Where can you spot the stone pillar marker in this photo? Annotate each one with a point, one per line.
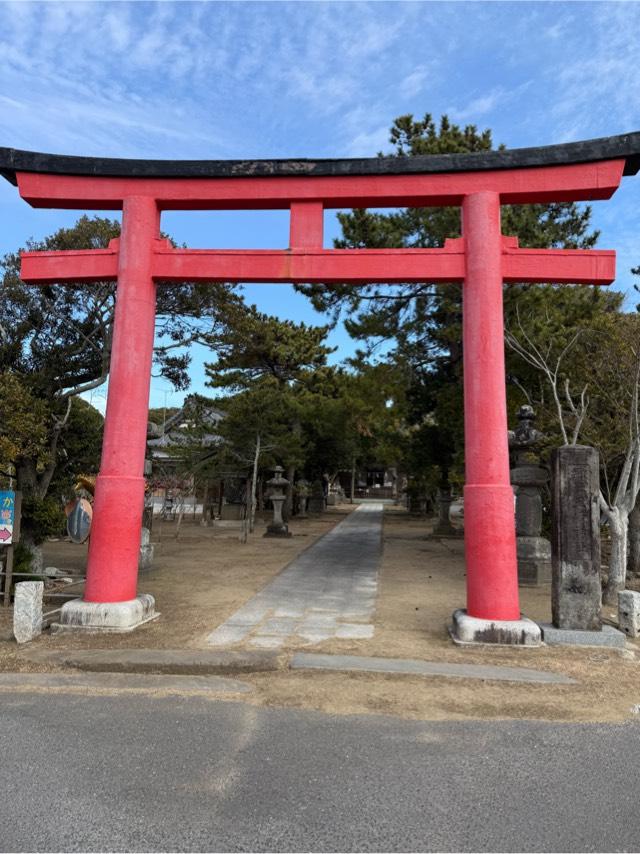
(27, 610)
(443, 527)
(533, 550)
(576, 590)
(146, 549)
(303, 492)
(277, 528)
(316, 503)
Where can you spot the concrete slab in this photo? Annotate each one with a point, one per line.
(354, 630)
(279, 626)
(319, 620)
(171, 661)
(127, 682)
(315, 635)
(608, 636)
(413, 667)
(266, 642)
(230, 634)
(319, 594)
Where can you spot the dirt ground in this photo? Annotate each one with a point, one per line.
(201, 579)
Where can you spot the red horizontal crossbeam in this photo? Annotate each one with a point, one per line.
(562, 266)
(574, 182)
(91, 265)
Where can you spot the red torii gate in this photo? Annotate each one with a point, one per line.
(482, 259)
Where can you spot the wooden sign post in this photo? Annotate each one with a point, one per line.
(10, 510)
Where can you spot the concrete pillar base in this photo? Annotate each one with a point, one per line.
(472, 630)
(534, 561)
(79, 615)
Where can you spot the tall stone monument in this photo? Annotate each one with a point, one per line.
(529, 478)
(576, 591)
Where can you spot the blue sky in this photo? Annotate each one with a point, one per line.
(271, 79)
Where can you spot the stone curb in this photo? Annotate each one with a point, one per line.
(412, 667)
(172, 662)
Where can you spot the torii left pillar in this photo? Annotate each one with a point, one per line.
(110, 599)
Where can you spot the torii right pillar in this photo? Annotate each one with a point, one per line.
(493, 609)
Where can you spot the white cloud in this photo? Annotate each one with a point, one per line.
(596, 90)
(414, 82)
(368, 143)
(270, 79)
(222, 79)
(479, 106)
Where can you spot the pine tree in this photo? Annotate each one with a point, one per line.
(421, 324)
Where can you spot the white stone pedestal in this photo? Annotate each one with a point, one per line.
(466, 629)
(629, 612)
(79, 615)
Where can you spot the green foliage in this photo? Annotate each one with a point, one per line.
(80, 447)
(42, 518)
(56, 334)
(593, 360)
(264, 410)
(22, 560)
(59, 336)
(271, 365)
(309, 416)
(55, 343)
(572, 327)
(254, 345)
(23, 422)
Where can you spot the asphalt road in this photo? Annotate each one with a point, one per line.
(141, 773)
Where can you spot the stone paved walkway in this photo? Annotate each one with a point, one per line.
(329, 591)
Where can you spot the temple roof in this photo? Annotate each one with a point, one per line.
(625, 146)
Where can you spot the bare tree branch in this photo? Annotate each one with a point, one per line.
(82, 387)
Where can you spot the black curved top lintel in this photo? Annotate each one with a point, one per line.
(626, 146)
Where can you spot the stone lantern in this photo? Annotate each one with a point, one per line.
(277, 528)
(529, 478)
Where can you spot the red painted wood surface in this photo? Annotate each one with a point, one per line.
(577, 182)
(490, 539)
(306, 225)
(483, 260)
(112, 566)
(561, 266)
